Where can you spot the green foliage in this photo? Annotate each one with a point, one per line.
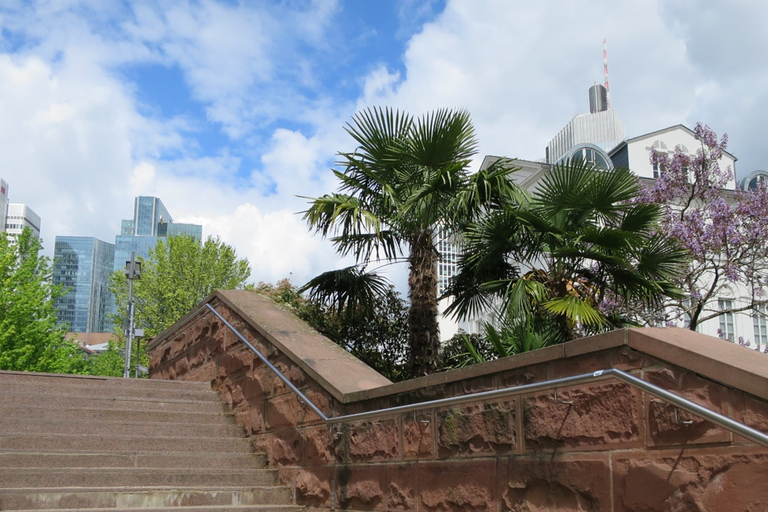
(176, 277)
(567, 259)
(29, 337)
(376, 333)
(108, 363)
(513, 337)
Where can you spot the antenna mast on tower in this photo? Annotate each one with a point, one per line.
(605, 71)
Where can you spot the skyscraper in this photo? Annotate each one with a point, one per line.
(3, 202)
(14, 217)
(151, 221)
(20, 216)
(602, 128)
(83, 266)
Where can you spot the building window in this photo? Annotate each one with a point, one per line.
(760, 324)
(659, 170)
(727, 329)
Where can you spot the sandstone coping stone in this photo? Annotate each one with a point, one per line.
(339, 372)
(714, 358)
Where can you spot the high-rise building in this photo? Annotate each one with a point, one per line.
(601, 129)
(14, 217)
(20, 216)
(151, 221)
(83, 265)
(3, 202)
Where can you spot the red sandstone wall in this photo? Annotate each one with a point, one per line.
(601, 447)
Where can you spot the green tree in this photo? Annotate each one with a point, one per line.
(406, 180)
(30, 340)
(108, 363)
(566, 262)
(179, 273)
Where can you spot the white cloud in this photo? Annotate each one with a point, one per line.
(276, 243)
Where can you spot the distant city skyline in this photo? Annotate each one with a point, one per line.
(83, 265)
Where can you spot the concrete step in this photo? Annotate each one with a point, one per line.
(220, 508)
(143, 477)
(208, 508)
(71, 442)
(11, 425)
(125, 388)
(209, 461)
(57, 400)
(86, 414)
(104, 383)
(123, 498)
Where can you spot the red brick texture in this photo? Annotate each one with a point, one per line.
(603, 446)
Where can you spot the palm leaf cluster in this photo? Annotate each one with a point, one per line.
(406, 178)
(573, 258)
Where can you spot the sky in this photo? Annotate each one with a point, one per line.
(233, 112)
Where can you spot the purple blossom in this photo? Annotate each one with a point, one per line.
(725, 231)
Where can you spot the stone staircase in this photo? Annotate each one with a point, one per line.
(96, 444)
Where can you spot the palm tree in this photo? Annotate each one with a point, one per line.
(406, 179)
(573, 258)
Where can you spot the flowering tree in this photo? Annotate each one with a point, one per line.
(725, 232)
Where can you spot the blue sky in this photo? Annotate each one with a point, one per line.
(228, 111)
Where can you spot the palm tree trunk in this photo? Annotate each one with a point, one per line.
(424, 335)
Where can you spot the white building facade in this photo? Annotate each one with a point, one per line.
(20, 216)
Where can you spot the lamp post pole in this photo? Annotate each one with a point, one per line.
(132, 271)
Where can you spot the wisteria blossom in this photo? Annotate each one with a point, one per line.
(725, 231)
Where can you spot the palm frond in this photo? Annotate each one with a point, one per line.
(443, 137)
(575, 310)
(347, 289)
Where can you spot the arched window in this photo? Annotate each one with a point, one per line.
(591, 154)
(754, 180)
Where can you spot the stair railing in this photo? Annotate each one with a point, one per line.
(676, 400)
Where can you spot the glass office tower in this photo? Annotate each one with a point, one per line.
(83, 265)
(150, 222)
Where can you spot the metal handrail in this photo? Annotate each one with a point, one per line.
(667, 396)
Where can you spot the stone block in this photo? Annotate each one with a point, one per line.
(284, 447)
(370, 441)
(628, 359)
(401, 480)
(318, 450)
(482, 429)
(204, 373)
(321, 398)
(251, 417)
(457, 485)
(362, 487)
(750, 411)
(694, 480)
(291, 371)
(666, 430)
(313, 486)
(418, 436)
(601, 416)
(577, 365)
(566, 483)
(286, 410)
(670, 426)
(519, 377)
(254, 386)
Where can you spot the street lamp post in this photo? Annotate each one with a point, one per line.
(132, 271)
